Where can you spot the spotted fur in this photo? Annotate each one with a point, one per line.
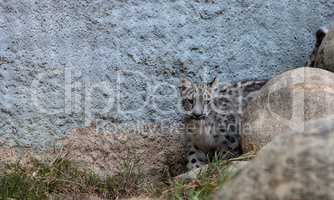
(212, 118)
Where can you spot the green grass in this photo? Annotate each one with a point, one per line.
(203, 187)
(207, 183)
(61, 177)
(41, 179)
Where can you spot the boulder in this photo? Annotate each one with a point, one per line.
(285, 104)
(291, 167)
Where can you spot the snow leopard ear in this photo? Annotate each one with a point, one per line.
(214, 83)
(320, 35)
(185, 85)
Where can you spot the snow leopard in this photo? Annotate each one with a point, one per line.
(212, 117)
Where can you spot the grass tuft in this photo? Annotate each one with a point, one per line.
(207, 183)
(61, 177)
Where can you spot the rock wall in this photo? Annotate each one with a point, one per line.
(66, 63)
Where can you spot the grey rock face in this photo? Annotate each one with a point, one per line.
(121, 60)
(297, 166)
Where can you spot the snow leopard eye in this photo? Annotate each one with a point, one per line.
(188, 103)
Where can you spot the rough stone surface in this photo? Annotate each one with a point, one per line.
(297, 166)
(285, 104)
(142, 44)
